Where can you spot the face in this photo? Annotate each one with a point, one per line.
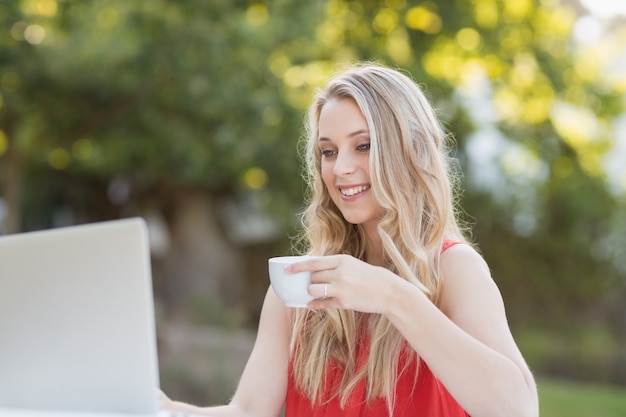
(344, 144)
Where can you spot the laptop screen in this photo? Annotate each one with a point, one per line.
(77, 319)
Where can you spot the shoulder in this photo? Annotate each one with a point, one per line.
(471, 299)
(458, 256)
(467, 283)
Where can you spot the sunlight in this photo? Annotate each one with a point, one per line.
(82, 149)
(385, 21)
(424, 19)
(588, 65)
(279, 62)
(330, 34)
(256, 14)
(17, 30)
(557, 21)
(536, 109)
(445, 60)
(316, 72)
(486, 13)
(524, 71)
(399, 46)
(34, 34)
(255, 178)
(587, 29)
(494, 65)
(468, 39)
(512, 39)
(519, 161)
(302, 80)
(59, 159)
(518, 10)
(579, 128)
(396, 4)
(108, 17)
(295, 76)
(615, 157)
(605, 8)
(47, 8)
(4, 143)
(576, 125)
(507, 103)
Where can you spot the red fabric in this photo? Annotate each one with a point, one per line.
(447, 244)
(425, 398)
(421, 397)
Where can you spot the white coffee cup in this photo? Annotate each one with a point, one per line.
(292, 289)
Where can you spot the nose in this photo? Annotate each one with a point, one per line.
(345, 164)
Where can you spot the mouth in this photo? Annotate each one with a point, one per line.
(352, 191)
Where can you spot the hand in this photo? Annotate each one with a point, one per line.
(344, 282)
(163, 401)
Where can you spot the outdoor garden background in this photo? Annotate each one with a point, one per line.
(189, 114)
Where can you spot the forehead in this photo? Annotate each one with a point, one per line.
(340, 117)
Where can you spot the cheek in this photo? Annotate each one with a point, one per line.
(327, 175)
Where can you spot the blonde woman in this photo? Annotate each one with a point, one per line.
(407, 320)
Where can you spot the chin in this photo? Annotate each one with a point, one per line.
(356, 219)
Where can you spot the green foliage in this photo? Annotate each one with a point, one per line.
(163, 94)
(205, 311)
(561, 398)
(546, 221)
(580, 351)
(153, 91)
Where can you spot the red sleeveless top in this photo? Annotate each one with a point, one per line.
(423, 396)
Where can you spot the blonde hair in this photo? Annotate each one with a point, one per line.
(412, 180)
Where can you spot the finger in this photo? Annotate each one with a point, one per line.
(320, 291)
(317, 263)
(162, 399)
(322, 303)
(320, 277)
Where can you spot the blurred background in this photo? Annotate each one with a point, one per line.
(189, 114)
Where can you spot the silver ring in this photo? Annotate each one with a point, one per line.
(326, 290)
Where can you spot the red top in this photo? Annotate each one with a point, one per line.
(424, 397)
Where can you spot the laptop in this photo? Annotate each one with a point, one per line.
(77, 330)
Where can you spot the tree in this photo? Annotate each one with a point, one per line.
(110, 105)
(160, 93)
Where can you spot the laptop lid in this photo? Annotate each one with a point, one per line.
(77, 329)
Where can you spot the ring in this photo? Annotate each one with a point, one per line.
(326, 290)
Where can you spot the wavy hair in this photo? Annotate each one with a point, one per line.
(413, 181)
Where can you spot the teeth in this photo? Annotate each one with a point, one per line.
(354, 190)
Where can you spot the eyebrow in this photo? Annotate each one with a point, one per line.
(351, 135)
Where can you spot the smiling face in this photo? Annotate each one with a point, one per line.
(344, 144)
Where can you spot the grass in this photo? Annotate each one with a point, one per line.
(572, 399)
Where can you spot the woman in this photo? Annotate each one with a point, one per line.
(407, 319)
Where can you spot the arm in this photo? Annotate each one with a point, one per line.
(263, 385)
(467, 344)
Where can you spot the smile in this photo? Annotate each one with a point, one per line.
(349, 192)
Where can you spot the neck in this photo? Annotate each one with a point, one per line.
(373, 246)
